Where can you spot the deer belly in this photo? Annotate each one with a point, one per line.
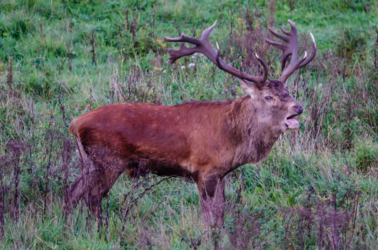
(161, 167)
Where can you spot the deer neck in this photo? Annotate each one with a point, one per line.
(253, 139)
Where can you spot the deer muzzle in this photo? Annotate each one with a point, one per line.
(291, 122)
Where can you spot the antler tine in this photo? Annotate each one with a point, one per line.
(259, 81)
(313, 53)
(290, 48)
(206, 33)
(286, 31)
(203, 46)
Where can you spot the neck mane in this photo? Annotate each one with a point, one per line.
(253, 140)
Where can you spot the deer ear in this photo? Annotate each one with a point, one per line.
(250, 88)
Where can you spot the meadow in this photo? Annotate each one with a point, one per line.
(318, 189)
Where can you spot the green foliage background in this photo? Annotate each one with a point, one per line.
(333, 158)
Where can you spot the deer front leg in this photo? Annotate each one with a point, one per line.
(212, 198)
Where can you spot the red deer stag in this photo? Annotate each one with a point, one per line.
(202, 141)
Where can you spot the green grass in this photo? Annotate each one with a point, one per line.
(332, 161)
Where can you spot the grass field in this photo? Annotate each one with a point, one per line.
(318, 189)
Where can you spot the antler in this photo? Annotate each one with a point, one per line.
(203, 46)
(290, 48)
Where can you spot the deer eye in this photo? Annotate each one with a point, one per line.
(269, 98)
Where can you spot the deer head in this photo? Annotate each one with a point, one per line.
(270, 99)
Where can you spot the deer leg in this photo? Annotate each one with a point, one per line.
(82, 184)
(74, 194)
(99, 184)
(212, 198)
(77, 189)
(94, 182)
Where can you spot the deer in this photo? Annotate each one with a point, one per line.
(200, 141)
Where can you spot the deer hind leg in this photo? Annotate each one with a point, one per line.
(99, 182)
(212, 198)
(77, 189)
(94, 182)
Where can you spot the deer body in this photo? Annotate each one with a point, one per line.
(201, 135)
(201, 141)
(204, 140)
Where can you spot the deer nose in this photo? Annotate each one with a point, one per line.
(298, 109)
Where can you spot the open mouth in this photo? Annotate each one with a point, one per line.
(291, 122)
